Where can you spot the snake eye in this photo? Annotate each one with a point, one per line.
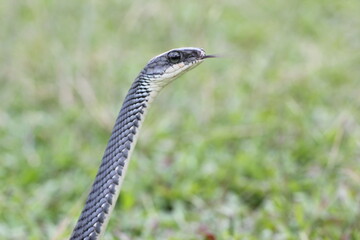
(174, 56)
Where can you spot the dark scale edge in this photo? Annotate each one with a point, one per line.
(117, 134)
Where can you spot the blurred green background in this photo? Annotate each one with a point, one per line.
(261, 144)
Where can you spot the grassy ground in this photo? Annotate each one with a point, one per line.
(262, 144)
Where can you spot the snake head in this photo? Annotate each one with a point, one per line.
(167, 66)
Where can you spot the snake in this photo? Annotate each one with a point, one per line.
(159, 72)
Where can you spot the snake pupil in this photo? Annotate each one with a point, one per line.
(174, 57)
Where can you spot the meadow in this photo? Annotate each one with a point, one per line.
(263, 143)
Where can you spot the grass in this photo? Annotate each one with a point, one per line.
(261, 144)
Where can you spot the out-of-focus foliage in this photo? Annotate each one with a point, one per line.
(261, 144)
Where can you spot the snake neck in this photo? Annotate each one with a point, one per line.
(106, 187)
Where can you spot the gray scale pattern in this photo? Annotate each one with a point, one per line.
(116, 154)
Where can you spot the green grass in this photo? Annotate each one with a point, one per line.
(261, 144)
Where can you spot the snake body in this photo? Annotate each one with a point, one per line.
(105, 190)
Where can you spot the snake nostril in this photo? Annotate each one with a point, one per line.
(196, 55)
(201, 53)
